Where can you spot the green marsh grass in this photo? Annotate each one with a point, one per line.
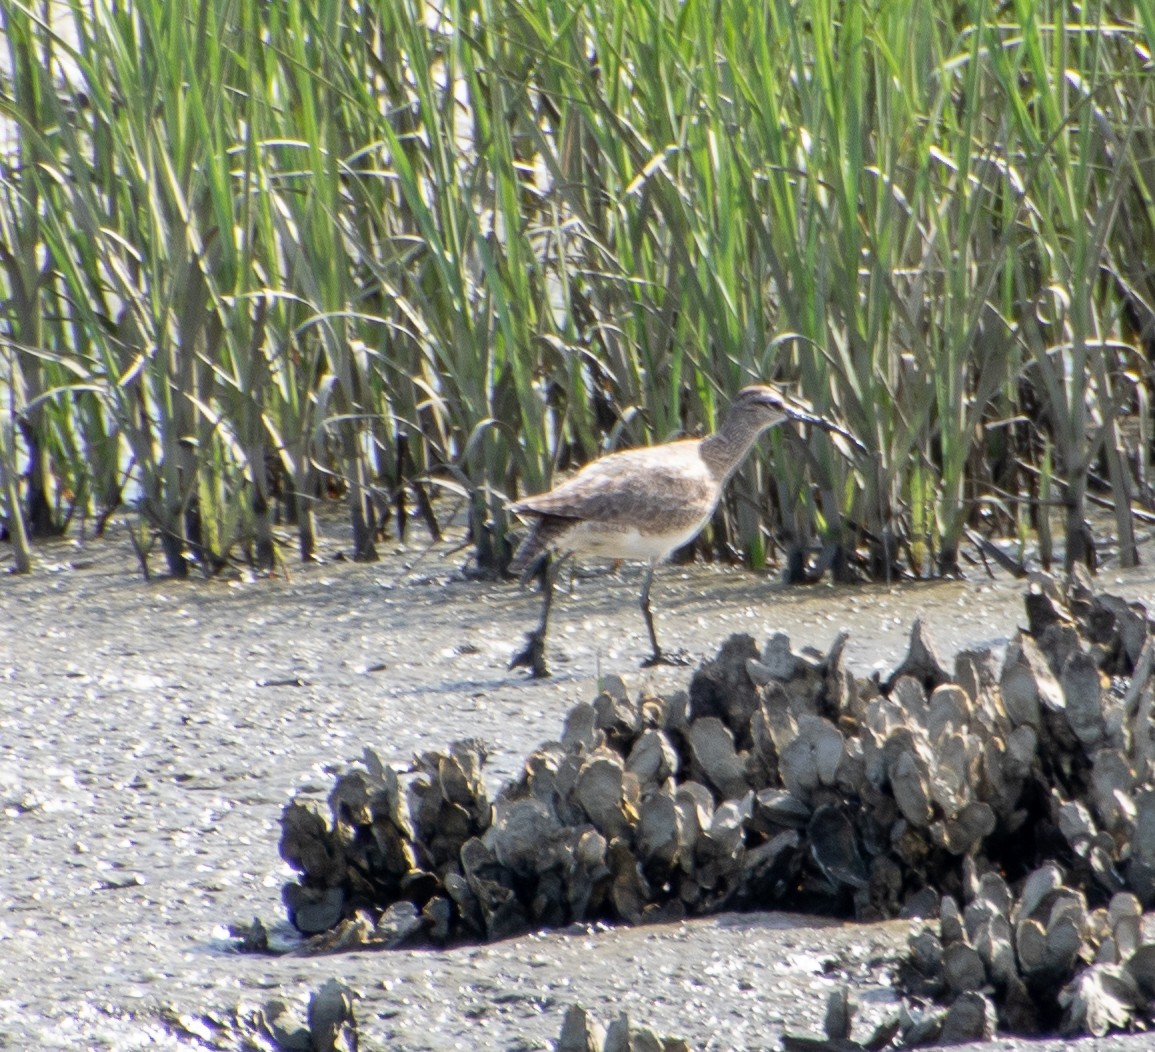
(259, 256)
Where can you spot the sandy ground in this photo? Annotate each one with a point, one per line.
(150, 733)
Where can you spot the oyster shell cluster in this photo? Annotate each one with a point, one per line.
(782, 780)
(1034, 961)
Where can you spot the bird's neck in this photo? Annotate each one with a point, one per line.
(727, 447)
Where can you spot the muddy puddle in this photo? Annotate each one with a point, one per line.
(151, 732)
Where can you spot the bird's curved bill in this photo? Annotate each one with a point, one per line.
(802, 414)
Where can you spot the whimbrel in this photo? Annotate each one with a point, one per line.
(642, 504)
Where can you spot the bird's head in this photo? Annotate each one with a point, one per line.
(770, 406)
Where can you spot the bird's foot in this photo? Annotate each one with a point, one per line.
(532, 655)
(679, 658)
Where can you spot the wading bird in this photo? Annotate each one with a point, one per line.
(642, 504)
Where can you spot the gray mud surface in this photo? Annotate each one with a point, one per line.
(151, 732)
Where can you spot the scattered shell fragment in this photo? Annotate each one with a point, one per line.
(581, 1033)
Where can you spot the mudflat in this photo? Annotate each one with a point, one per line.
(152, 731)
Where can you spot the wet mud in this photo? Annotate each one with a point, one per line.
(151, 733)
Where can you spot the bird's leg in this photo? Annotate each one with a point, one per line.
(659, 656)
(532, 655)
(648, 614)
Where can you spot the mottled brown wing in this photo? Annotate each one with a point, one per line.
(632, 488)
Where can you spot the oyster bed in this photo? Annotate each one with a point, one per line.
(1013, 803)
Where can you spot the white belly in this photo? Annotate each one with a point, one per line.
(612, 542)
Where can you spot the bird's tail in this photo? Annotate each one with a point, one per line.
(532, 549)
(545, 535)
